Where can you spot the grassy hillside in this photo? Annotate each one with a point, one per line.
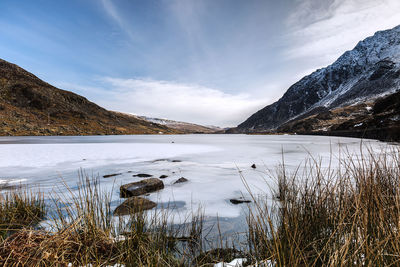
(30, 106)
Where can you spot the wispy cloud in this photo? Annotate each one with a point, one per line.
(113, 13)
(185, 102)
(323, 31)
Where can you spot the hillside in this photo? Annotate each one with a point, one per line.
(368, 72)
(30, 106)
(185, 127)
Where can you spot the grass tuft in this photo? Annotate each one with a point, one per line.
(320, 217)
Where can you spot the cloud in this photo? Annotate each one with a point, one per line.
(184, 102)
(113, 13)
(324, 31)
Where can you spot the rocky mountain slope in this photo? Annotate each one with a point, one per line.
(369, 71)
(185, 127)
(376, 119)
(30, 106)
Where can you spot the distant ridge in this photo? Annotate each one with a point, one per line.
(185, 127)
(30, 106)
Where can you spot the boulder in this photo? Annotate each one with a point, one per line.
(181, 180)
(140, 188)
(133, 205)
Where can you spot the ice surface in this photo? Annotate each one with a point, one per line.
(213, 164)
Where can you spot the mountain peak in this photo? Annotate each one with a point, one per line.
(371, 69)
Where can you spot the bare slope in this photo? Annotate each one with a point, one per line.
(30, 106)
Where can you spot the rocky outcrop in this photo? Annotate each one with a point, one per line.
(134, 205)
(365, 73)
(140, 188)
(377, 119)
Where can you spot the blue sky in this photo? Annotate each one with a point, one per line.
(202, 61)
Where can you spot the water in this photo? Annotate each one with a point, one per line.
(211, 163)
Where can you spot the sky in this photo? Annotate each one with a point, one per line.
(212, 62)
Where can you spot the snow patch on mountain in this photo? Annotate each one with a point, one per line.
(370, 70)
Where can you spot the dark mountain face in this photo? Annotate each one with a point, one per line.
(30, 106)
(371, 69)
(374, 119)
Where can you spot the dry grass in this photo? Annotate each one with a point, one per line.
(84, 232)
(322, 217)
(20, 208)
(345, 217)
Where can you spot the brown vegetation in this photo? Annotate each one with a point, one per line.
(30, 106)
(348, 216)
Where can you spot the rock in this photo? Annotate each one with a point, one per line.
(181, 180)
(240, 200)
(111, 175)
(217, 255)
(176, 160)
(254, 166)
(141, 187)
(133, 205)
(142, 175)
(158, 160)
(163, 176)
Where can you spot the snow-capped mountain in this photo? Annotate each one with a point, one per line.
(370, 70)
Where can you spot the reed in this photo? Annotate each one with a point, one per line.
(20, 208)
(321, 216)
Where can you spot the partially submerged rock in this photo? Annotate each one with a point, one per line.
(254, 166)
(111, 175)
(181, 180)
(140, 188)
(239, 200)
(163, 176)
(133, 205)
(142, 175)
(217, 255)
(157, 160)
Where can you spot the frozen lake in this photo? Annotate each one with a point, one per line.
(211, 163)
